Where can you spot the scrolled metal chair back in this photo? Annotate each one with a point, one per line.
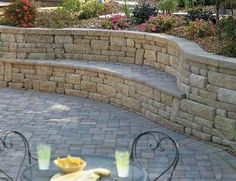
(157, 143)
(7, 143)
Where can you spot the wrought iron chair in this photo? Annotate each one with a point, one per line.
(10, 140)
(162, 149)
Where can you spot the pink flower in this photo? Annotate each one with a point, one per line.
(125, 24)
(143, 27)
(152, 19)
(116, 19)
(153, 28)
(115, 26)
(25, 8)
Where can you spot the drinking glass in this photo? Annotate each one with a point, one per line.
(122, 163)
(44, 154)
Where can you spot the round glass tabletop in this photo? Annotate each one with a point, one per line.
(136, 173)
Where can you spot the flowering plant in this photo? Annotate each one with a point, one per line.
(115, 23)
(159, 23)
(199, 28)
(119, 22)
(20, 13)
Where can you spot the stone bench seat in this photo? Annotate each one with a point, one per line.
(142, 74)
(49, 60)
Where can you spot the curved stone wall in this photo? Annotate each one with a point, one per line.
(209, 82)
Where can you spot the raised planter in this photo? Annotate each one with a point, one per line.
(209, 82)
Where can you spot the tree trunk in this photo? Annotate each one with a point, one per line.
(218, 30)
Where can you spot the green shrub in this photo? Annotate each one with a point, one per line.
(144, 12)
(71, 5)
(191, 3)
(199, 28)
(229, 49)
(195, 14)
(168, 5)
(20, 13)
(91, 9)
(107, 24)
(58, 18)
(228, 27)
(188, 4)
(126, 10)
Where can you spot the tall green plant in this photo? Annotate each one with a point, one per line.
(126, 10)
(168, 5)
(188, 4)
(91, 8)
(71, 5)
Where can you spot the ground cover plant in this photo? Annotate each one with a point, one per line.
(115, 23)
(160, 24)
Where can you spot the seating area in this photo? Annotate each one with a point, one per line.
(90, 92)
(139, 88)
(199, 97)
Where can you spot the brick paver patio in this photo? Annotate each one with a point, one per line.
(75, 125)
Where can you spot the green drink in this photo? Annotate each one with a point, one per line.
(44, 154)
(122, 163)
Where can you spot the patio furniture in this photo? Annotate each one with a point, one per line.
(15, 141)
(153, 145)
(136, 173)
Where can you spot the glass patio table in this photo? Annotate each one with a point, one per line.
(136, 173)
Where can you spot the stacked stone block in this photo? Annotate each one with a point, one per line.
(209, 82)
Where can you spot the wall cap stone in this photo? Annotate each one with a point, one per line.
(190, 50)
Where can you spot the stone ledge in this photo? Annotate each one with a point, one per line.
(195, 53)
(190, 50)
(138, 73)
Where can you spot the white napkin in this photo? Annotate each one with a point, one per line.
(88, 175)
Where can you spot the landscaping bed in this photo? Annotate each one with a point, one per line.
(199, 25)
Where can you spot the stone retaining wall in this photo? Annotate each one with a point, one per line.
(209, 82)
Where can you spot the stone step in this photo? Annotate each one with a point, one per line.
(143, 74)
